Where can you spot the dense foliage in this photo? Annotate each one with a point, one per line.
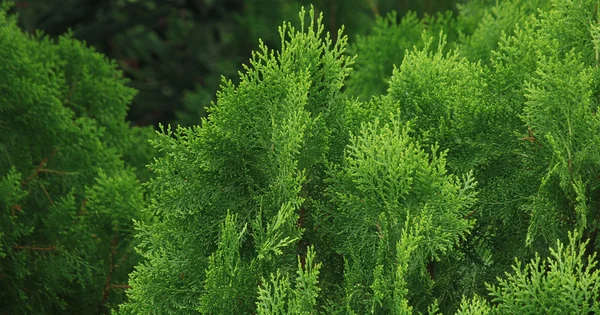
(438, 164)
(175, 51)
(473, 151)
(68, 186)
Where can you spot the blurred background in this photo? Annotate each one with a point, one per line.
(175, 51)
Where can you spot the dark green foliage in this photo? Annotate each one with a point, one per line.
(167, 48)
(67, 197)
(175, 51)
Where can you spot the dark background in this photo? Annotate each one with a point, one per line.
(175, 51)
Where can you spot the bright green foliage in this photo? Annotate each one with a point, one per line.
(277, 296)
(445, 97)
(224, 272)
(565, 283)
(459, 145)
(461, 155)
(501, 19)
(476, 306)
(549, 80)
(388, 185)
(448, 101)
(296, 198)
(475, 32)
(528, 128)
(67, 198)
(560, 109)
(265, 141)
(262, 156)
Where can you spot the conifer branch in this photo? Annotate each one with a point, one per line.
(38, 271)
(39, 167)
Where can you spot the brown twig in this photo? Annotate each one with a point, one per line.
(570, 162)
(301, 245)
(107, 286)
(470, 214)
(45, 170)
(82, 209)
(379, 230)
(373, 6)
(49, 248)
(121, 260)
(46, 193)
(531, 138)
(566, 219)
(13, 208)
(120, 286)
(39, 167)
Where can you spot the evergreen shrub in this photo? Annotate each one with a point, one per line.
(70, 170)
(470, 185)
(449, 172)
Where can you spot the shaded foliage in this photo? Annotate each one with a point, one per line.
(69, 169)
(175, 51)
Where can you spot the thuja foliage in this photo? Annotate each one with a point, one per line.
(175, 51)
(251, 166)
(469, 185)
(69, 169)
(478, 41)
(475, 30)
(386, 45)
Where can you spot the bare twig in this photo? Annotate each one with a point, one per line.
(45, 170)
(373, 6)
(113, 252)
(470, 214)
(82, 209)
(13, 208)
(35, 248)
(46, 193)
(40, 166)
